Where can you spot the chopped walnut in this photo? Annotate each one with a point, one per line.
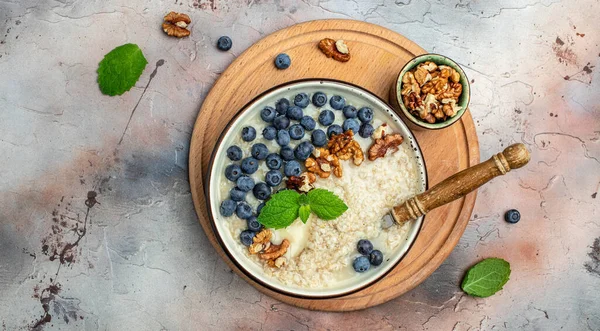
(268, 251)
(345, 147)
(175, 24)
(302, 183)
(380, 131)
(323, 164)
(382, 145)
(275, 251)
(263, 236)
(328, 47)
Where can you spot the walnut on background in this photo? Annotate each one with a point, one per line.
(382, 145)
(329, 48)
(175, 24)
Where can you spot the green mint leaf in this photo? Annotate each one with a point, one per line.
(486, 277)
(281, 210)
(120, 69)
(304, 212)
(303, 200)
(326, 205)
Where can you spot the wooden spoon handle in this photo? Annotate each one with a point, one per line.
(456, 186)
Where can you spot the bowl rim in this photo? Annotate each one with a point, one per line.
(212, 222)
(431, 126)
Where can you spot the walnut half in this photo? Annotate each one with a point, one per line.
(382, 145)
(175, 24)
(329, 48)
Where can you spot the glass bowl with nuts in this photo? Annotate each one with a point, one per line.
(431, 92)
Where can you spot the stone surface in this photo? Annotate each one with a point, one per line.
(97, 234)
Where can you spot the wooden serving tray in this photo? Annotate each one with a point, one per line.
(377, 54)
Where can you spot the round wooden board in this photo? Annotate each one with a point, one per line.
(378, 54)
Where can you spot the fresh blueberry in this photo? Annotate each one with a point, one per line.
(259, 208)
(296, 132)
(376, 257)
(283, 137)
(247, 237)
(294, 113)
(334, 130)
(282, 105)
(270, 132)
(253, 224)
(337, 102)
(245, 183)
(243, 210)
(365, 114)
(301, 100)
(351, 124)
(281, 122)
(292, 168)
(319, 99)
(224, 43)
(364, 247)
(287, 153)
(236, 194)
(233, 172)
(366, 130)
(326, 117)
(260, 151)
(350, 111)
(268, 114)
(248, 133)
(261, 191)
(303, 150)
(319, 138)
(308, 123)
(361, 264)
(512, 216)
(273, 178)
(249, 165)
(234, 153)
(283, 61)
(227, 207)
(274, 161)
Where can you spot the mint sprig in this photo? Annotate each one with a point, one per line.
(486, 277)
(120, 69)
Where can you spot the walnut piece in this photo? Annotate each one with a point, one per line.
(328, 47)
(275, 251)
(273, 254)
(175, 24)
(323, 164)
(345, 147)
(341, 46)
(263, 236)
(302, 183)
(382, 145)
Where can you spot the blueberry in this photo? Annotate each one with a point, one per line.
(287, 153)
(234, 153)
(274, 161)
(270, 132)
(361, 264)
(224, 43)
(292, 168)
(319, 99)
(268, 114)
(326, 117)
(247, 237)
(227, 207)
(351, 124)
(253, 224)
(243, 210)
(236, 194)
(334, 130)
(260, 151)
(376, 257)
(245, 183)
(294, 113)
(249, 165)
(283, 137)
(366, 130)
(308, 123)
(512, 216)
(319, 138)
(248, 133)
(273, 177)
(365, 114)
(337, 102)
(283, 61)
(261, 191)
(301, 100)
(350, 111)
(296, 132)
(303, 150)
(259, 208)
(281, 122)
(233, 172)
(281, 106)
(364, 247)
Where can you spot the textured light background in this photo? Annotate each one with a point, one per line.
(138, 258)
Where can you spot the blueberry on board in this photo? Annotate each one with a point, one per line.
(301, 100)
(366, 130)
(283, 61)
(253, 224)
(334, 130)
(282, 105)
(287, 153)
(294, 113)
(249, 165)
(319, 99)
(273, 177)
(234, 153)
(337, 102)
(243, 210)
(283, 137)
(303, 150)
(269, 132)
(261, 191)
(224, 43)
(512, 216)
(233, 172)
(245, 183)
(351, 124)
(365, 114)
(227, 207)
(364, 247)
(248, 133)
(376, 257)
(308, 123)
(236, 194)
(259, 208)
(292, 168)
(350, 111)
(326, 117)
(274, 161)
(319, 138)
(281, 122)
(259, 151)
(361, 264)
(247, 237)
(268, 114)
(296, 132)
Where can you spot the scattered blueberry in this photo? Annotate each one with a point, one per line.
(283, 137)
(259, 208)
(274, 161)
(270, 132)
(296, 132)
(326, 117)
(365, 114)
(227, 207)
(236, 194)
(294, 113)
(224, 43)
(243, 210)
(319, 99)
(247, 237)
(249, 165)
(337, 102)
(512, 216)
(366, 130)
(308, 123)
(233, 172)
(301, 100)
(248, 133)
(245, 183)
(351, 124)
(361, 264)
(292, 168)
(364, 247)
(273, 178)
(282, 105)
(283, 61)
(350, 111)
(303, 150)
(261, 191)
(281, 122)
(260, 151)
(287, 153)
(268, 114)
(376, 257)
(334, 130)
(319, 138)
(253, 224)
(234, 153)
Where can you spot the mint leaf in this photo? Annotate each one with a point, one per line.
(281, 210)
(486, 277)
(120, 69)
(304, 212)
(325, 204)
(303, 200)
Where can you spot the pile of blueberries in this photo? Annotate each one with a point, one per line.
(369, 256)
